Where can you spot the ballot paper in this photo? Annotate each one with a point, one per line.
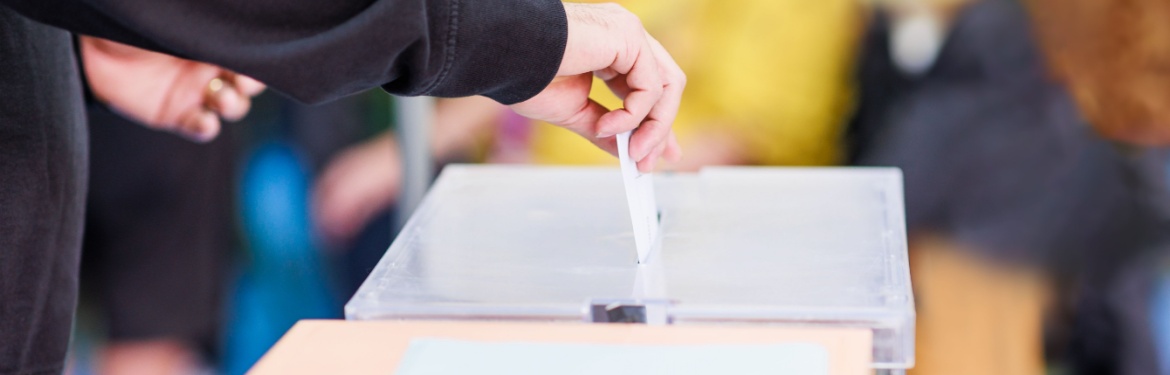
(640, 196)
(457, 357)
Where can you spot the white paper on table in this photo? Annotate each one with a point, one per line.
(640, 196)
(433, 356)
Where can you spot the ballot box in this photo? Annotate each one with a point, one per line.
(814, 248)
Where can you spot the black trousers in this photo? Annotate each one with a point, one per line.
(43, 171)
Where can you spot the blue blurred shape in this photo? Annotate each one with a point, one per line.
(1160, 321)
(284, 280)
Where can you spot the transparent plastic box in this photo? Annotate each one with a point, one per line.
(822, 247)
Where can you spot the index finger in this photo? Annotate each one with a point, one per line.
(651, 138)
(644, 82)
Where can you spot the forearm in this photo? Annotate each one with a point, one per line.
(314, 51)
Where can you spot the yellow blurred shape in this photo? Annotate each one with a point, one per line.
(974, 316)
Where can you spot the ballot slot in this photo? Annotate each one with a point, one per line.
(643, 311)
(617, 313)
(818, 247)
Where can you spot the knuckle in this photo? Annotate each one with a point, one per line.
(635, 23)
(633, 19)
(626, 17)
(664, 134)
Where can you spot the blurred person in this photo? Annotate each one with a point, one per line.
(353, 201)
(304, 49)
(158, 225)
(1112, 56)
(158, 284)
(1018, 212)
(364, 180)
(155, 283)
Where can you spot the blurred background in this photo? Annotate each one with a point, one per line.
(1038, 244)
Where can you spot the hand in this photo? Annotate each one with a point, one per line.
(165, 92)
(356, 185)
(366, 179)
(610, 42)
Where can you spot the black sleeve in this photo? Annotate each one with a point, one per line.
(316, 50)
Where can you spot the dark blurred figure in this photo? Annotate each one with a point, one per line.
(159, 231)
(999, 162)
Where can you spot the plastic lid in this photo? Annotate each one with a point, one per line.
(740, 245)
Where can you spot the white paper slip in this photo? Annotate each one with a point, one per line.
(640, 196)
(456, 357)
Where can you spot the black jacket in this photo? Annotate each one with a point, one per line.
(315, 50)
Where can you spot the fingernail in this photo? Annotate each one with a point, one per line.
(605, 134)
(204, 136)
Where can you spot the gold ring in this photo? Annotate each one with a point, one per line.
(214, 85)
